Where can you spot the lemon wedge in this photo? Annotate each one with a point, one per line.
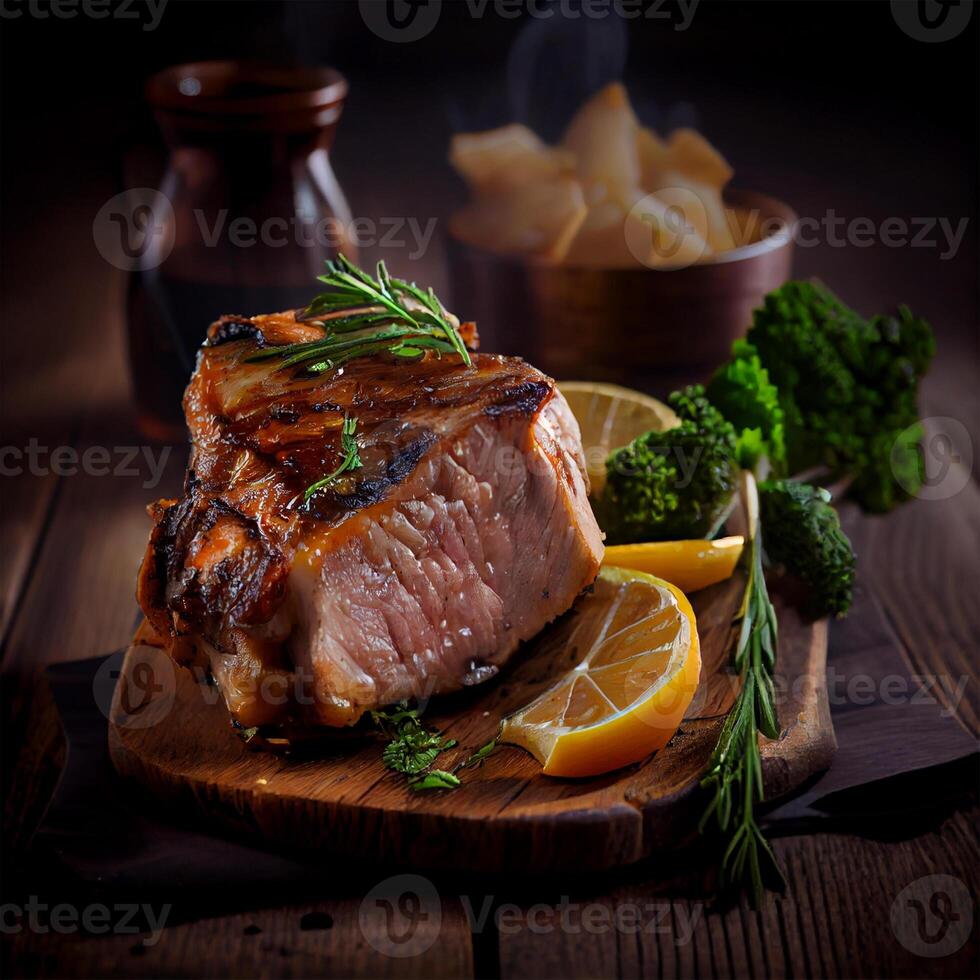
(690, 565)
(628, 694)
(611, 416)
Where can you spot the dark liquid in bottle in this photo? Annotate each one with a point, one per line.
(167, 323)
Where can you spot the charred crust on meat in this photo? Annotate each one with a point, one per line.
(242, 587)
(523, 399)
(367, 491)
(233, 327)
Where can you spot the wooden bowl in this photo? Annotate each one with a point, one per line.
(643, 326)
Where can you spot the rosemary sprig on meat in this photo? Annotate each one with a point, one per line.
(351, 460)
(362, 315)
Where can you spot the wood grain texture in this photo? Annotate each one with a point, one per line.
(921, 567)
(328, 938)
(834, 921)
(90, 550)
(170, 732)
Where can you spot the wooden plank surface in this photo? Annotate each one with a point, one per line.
(834, 921)
(337, 797)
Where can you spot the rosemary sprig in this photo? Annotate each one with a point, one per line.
(362, 315)
(351, 460)
(735, 770)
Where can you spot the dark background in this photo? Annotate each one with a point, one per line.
(825, 105)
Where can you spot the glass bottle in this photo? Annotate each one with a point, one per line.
(247, 212)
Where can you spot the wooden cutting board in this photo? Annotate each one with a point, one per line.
(169, 731)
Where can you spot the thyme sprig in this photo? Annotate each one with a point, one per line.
(734, 772)
(351, 460)
(362, 315)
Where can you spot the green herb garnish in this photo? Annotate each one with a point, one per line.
(412, 748)
(434, 779)
(735, 769)
(480, 755)
(351, 460)
(374, 318)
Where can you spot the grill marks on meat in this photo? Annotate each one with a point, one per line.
(218, 568)
(465, 531)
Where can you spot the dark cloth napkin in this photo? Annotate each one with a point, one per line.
(903, 759)
(903, 762)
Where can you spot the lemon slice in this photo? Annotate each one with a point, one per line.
(627, 696)
(690, 565)
(609, 417)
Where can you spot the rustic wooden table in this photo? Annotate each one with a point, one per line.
(71, 547)
(71, 544)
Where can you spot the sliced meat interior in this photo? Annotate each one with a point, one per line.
(463, 532)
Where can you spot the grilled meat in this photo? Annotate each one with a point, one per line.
(465, 530)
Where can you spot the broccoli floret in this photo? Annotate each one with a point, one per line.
(675, 484)
(801, 530)
(848, 388)
(742, 392)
